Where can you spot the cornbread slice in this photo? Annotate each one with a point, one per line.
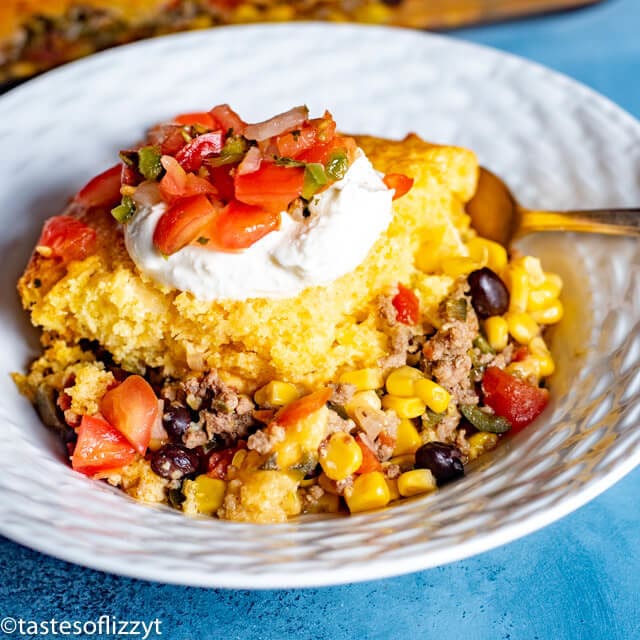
(309, 339)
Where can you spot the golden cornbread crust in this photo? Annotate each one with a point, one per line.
(308, 340)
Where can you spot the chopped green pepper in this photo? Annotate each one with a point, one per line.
(315, 177)
(484, 421)
(431, 418)
(480, 342)
(456, 309)
(287, 162)
(124, 211)
(176, 498)
(149, 163)
(337, 165)
(233, 151)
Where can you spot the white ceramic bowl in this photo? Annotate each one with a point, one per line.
(557, 144)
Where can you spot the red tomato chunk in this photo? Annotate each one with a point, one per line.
(514, 399)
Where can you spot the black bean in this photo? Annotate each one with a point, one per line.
(174, 462)
(443, 460)
(489, 295)
(176, 420)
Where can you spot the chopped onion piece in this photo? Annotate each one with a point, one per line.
(251, 162)
(278, 124)
(147, 194)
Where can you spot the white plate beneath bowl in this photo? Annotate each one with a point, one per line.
(557, 143)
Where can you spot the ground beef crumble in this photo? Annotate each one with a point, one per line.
(447, 353)
(223, 414)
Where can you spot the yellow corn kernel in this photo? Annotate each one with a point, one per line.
(532, 267)
(372, 14)
(276, 394)
(522, 327)
(363, 400)
(207, 493)
(546, 365)
(412, 483)
(369, 491)
(407, 438)
(246, 13)
(496, 254)
(363, 379)
(538, 346)
(480, 443)
(341, 456)
(433, 395)
(238, 458)
(280, 13)
(496, 329)
(392, 483)
(554, 282)
(552, 314)
(404, 407)
(527, 369)
(462, 266)
(518, 283)
(400, 381)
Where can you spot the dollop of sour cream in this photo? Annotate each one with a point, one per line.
(345, 221)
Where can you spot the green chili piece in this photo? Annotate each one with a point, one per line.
(124, 211)
(480, 343)
(484, 421)
(287, 162)
(176, 498)
(314, 178)
(233, 151)
(431, 418)
(149, 163)
(337, 165)
(456, 309)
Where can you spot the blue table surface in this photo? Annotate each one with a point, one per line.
(578, 578)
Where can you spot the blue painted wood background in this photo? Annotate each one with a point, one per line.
(577, 579)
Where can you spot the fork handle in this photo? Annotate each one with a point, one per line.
(613, 222)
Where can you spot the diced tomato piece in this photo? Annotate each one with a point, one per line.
(271, 187)
(132, 408)
(177, 183)
(514, 399)
(68, 238)
(370, 461)
(291, 144)
(321, 151)
(100, 447)
(223, 181)
(191, 155)
(407, 305)
(239, 225)
(183, 222)
(101, 191)
(305, 406)
(399, 183)
(203, 119)
(520, 353)
(228, 119)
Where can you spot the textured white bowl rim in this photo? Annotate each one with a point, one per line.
(381, 567)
